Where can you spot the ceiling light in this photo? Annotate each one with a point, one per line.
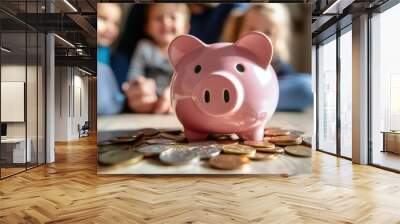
(5, 50)
(65, 41)
(84, 71)
(337, 7)
(70, 5)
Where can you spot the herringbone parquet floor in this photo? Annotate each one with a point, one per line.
(69, 191)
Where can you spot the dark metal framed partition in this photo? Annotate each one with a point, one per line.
(23, 55)
(359, 19)
(332, 33)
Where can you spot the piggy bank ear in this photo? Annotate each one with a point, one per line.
(181, 46)
(260, 45)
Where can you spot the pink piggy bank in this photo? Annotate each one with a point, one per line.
(224, 87)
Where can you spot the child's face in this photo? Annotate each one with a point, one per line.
(108, 20)
(255, 20)
(165, 22)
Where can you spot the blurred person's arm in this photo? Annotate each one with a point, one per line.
(138, 60)
(110, 100)
(163, 104)
(139, 90)
(141, 94)
(295, 92)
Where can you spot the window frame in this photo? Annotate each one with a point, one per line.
(343, 26)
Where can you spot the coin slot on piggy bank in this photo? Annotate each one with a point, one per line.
(223, 87)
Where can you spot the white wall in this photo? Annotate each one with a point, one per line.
(33, 126)
(71, 94)
(12, 73)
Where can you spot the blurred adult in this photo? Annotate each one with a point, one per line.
(273, 19)
(110, 100)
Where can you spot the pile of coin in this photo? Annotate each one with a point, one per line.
(220, 151)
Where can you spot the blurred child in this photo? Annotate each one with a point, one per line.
(150, 71)
(273, 19)
(110, 100)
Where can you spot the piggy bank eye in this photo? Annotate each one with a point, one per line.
(197, 69)
(240, 68)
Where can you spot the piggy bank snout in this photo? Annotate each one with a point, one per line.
(218, 94)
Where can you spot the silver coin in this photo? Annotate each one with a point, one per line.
(206, 152)
(203, 143)
(152, 150)
(178, 156)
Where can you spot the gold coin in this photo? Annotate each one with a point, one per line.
(290, 143)
(227, 142)
(286, 139)
(161, 141)
(147, 132)
(239, 149)
(112, 147)
(266, 139)
(259, 144)
(178, 138)
(272, 133)
(298, 150)
(123, 139)
(120, 157)
(272, 129)
(262, 156)
(228, 162)
(271, 150)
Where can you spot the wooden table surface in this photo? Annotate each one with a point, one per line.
(302, 121)
(123, 124)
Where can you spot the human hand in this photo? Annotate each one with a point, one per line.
(163, 104)
(141, 94)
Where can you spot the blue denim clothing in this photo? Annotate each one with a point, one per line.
(110, 100)
(295, 92)
(103, 54)
(208, 25)
(120, 63)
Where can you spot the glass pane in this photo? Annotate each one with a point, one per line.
(32, 97)
(13, 86)
(346, 94)
(386, 89)
(327, 97)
